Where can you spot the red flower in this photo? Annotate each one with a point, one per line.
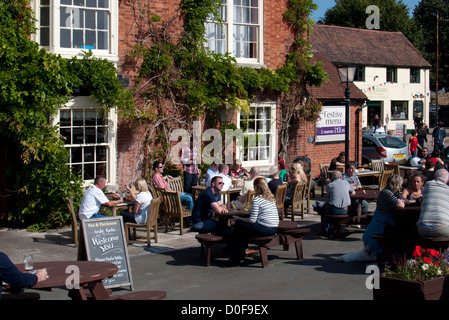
(417, 252)
(433, 252)
(427, 260)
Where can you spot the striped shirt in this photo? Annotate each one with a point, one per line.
(386, 202)
(264, 212)
(435, 205)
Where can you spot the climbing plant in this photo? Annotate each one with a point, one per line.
(34, 85)
(182, 80)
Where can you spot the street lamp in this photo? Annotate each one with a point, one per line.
(347, 74)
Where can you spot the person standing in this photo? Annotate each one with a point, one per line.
(413, 144)
(93, 199)
(422, 138)
(189, 166)
(438, 135)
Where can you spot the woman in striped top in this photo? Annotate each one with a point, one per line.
(263, 221)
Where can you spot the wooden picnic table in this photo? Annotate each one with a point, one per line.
(63, 274)
(405, 170)
(121, 205)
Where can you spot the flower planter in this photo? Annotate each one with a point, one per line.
(398, 289)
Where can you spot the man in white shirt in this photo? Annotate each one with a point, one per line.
(93, 199)
(223, 170)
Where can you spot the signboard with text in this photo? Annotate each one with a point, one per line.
(331, 126)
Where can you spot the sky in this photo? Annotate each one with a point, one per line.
(326, 4)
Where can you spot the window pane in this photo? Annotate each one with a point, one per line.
(67, 134)
(101, 154)
(78, 116)
(91, 3)
(90, 41)
(90, 136)
(64, 16)
(90, 19)
(77, 155)
(89, 172)
(90, 118)
(89, 154)
(69, 2)
(78, 136)
(103, 4)
(101, 135)
(64, 118)
(102, 40)
(78, 41)
(66, 38)
(101, 170)
(45, 16)
(78, 3)
(102, 20)
(44, 38)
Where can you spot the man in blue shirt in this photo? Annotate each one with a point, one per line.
(207, 204)
(438, 135)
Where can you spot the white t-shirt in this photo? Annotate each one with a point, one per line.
(144, 198)
(227, 181)
(92, 200)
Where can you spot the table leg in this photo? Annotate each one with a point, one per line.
(98, 290)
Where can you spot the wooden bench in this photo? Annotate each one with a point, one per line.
(337, 220)
(207, 240)
(264, 243)
(294, 236)
(141, 295)
(391, 244)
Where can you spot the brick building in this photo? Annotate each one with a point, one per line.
(103, 144)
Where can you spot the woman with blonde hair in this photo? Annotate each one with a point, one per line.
(142, 203)
(263, 221)
(297, 175)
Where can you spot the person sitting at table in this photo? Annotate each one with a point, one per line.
(93, 199)
(275, 180)
(338, 193)
(15, 278)
(249, 184)
(383, 216)
(354, 182)
(223, 171)
(212, 171)
(160, 181)
(283, 174)
(434, 218)
(413, 192)
(425, 154)
(297, 175)
(263, 221)
(338, 162)
(437, 161)
(142, 203)
(238, 172)
(429, 172)
(208, 204)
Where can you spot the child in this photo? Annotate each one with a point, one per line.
(413, 144)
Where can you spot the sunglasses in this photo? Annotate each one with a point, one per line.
(160, 167)
(220, 183)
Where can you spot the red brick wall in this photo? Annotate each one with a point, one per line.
(130, 153)
(321, 153)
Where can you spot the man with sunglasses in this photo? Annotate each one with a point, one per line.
(160, 181)
(207, 204)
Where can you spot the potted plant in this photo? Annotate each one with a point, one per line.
(425, 276)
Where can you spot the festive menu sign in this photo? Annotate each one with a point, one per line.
(331, 125)
(105, 241)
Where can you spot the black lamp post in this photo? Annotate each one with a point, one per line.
(347, 74)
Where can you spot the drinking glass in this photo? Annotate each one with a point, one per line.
(28, 262)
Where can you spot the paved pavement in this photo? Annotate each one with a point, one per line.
(174, 265)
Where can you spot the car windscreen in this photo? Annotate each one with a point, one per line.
(392, 142)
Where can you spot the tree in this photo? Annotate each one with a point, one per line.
(394, 16)
(425, 15)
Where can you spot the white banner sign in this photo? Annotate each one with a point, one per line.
(331, 126)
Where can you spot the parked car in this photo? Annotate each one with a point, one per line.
(383, 146)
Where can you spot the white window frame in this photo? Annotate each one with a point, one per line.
(110, 54)
(272, 152)
(228, 29)
(86, 102)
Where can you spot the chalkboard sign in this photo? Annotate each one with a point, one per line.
(104, 240)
